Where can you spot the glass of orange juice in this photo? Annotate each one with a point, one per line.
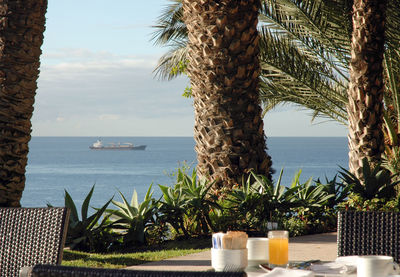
(278, 248)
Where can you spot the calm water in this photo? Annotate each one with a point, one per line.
(58, 163)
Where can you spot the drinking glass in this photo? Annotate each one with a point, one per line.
(278, 248)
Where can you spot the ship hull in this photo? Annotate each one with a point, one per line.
(139, 147)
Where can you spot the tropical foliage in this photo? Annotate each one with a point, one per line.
(89, 233)
(132, 218)
(191, 208)
(378, 182)
(376, 192)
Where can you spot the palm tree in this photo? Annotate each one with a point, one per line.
(223, 67)
(22, 27)
(365, 107)
(305, 57)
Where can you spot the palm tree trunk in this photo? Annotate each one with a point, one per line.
(366, 88)
(21, 35)
(224, 70)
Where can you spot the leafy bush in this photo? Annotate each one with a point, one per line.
(295, 226)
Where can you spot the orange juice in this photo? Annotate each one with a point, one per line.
(278, 251)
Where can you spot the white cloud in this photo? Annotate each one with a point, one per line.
(109, 117)
(109, 96)
(82, 59)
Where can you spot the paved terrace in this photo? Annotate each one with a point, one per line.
(312, 247)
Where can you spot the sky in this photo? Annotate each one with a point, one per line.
(97, 78)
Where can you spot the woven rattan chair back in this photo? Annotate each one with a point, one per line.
(68, 271)
(369, 233)
(29, 236)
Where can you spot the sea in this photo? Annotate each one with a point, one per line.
(59, 164)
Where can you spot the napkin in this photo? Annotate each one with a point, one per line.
(283, 272)
(333, 268)
(347, 260)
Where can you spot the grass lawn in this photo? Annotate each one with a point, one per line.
(137, 255)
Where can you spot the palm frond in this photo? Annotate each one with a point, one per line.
(168, 64)
(316, 25)
(393, 24)
(289, 75)
(170, 25)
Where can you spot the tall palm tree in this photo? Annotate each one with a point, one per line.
(322, 29)
(223, 67)
(21, 35)
(366, 88)
(305, 57)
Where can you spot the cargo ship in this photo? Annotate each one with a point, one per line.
(98, 145)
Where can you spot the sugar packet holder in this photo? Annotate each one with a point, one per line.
(229, 252)
(229, 240)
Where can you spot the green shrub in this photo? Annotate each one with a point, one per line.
(295, 226)
(358, 203)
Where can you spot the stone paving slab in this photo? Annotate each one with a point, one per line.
(312, 247)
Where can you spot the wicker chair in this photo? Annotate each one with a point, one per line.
(30, 236)
(69, 271)
(369, 233)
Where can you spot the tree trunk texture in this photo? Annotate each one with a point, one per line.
(366, 88)
(21, 36)
(224, 70)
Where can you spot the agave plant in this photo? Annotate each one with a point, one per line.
(133, 218)
(378, 182)
(313, 200)
(277, 198)
(391, 160)
(309, 194)
(198, 199)
(260, 201)
(86, 233)
(244, 206)
(172, 207)
(338, 190)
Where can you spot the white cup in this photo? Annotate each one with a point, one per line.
(229, 259)
(258, 251)
(375, 266)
